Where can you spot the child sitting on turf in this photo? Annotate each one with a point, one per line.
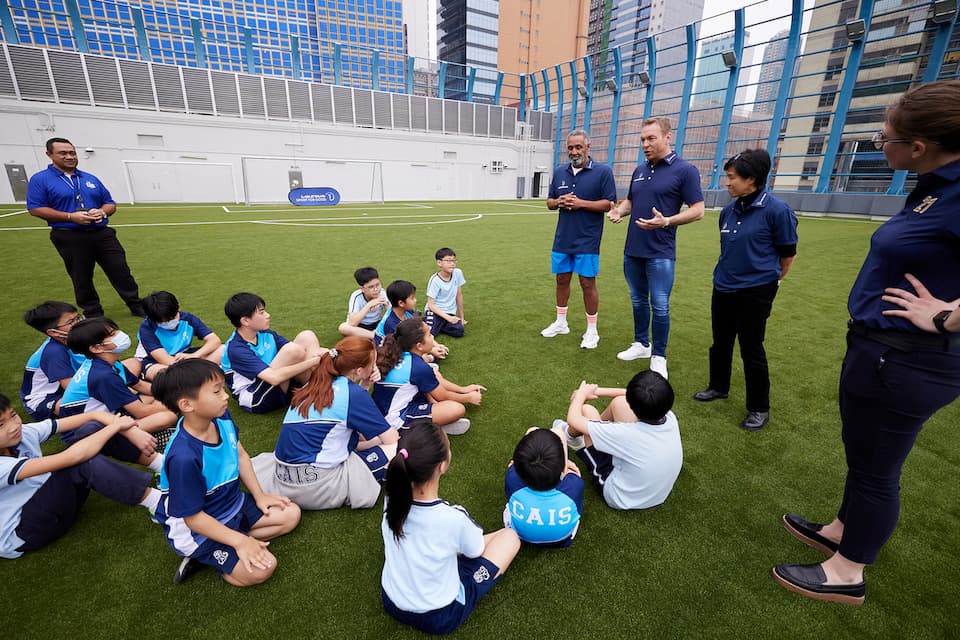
(206, 517)
(260, 363)
(166, 335)
(334, 445)
(41, 496)
(51, 366)
(544, 490)
(633, 448)
(444, 312)
(438, 562)
(403, 301)
(366, 306)
(103, 383)
(411, 390)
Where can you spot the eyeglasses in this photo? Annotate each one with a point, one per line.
(372, 287)
(453, 260)
(879, 140)
(72, 321)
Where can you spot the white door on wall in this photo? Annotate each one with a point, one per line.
(180, 182)
(154, 182)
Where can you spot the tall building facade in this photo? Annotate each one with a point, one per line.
(291, 38)
(710, 87)
(771, 70)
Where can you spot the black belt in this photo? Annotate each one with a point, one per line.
(903, 341)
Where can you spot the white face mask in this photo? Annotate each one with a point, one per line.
(121, 342)
(169, 325)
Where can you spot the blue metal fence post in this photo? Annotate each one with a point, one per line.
(411, 65)
(198, 47)
(588, 99)
(732, 81)
(248, 56)
(337, 63)
(442, 81)
(375, 70)
(498, 88)
(76, 26)
(786, 79)
(843, 101)
(140, 29)
(471, 83)
(559, 127)
(295, 57)
(615, 115)
(546, 89)
(687, 88)
(9, 27)
(652, 72)
(535, 105)
(522, 115)
(575, 96)
(934, 64)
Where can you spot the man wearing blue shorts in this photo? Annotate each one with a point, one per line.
(583, 191)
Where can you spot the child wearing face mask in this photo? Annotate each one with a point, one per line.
(167, 334)
(50, 368)
(103, 383)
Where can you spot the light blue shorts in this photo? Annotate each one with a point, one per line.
(584, 264)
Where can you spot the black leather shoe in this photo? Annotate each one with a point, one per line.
(809, 580)
(808, 533)
(708, 395)
(755, 420)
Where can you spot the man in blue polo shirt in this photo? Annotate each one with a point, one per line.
(583, 191)
(76, 206)
(658, 188)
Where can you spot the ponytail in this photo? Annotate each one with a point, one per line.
(349, 354)
(407, 334)
(421, 449)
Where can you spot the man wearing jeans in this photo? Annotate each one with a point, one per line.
(658, 188)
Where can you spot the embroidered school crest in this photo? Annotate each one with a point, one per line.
(220, 556)
(925, 204)
(481, 575)
(91, 185)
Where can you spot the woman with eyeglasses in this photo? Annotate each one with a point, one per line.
(758, 243)
(903, 347)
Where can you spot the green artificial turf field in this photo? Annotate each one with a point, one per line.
(697, 566)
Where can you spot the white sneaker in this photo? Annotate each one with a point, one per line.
(590, 340)
(560, 428)
(556, 328)
(659, 364)
(636, 351)
(457, 427)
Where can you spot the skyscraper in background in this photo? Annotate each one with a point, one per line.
(710, 87)
(771, 68)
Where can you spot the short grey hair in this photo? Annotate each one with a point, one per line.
(580, 132)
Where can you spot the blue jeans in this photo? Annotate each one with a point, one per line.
(650, 281)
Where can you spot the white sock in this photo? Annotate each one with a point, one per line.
(152, 500)
(562, 315)
(156, 465)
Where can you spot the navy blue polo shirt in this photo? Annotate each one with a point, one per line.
(667, 185)
(748, 242)
(924, 240)
(55, 189)
(580, 231)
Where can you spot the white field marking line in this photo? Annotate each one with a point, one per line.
(374, 224)
(225, 209)
(12, 213)
(348, 207)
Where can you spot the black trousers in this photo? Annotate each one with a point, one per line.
(886, 395)
(741, 315)
(81, 250)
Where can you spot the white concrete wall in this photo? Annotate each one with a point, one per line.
(200, 158)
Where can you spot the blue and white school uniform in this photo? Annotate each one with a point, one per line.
(401, 395)
(316, 463)
(444, 294)
(49, 364)
(435, 574)
(358, 301)
(201, 476)
(550, 517)
(388, 324)
(241, 363)
(173, 341)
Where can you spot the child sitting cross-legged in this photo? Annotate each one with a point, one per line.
(366, 306)
(51, 366)
(167, 333)
(438, 562)
(334, 444)
(206, 517)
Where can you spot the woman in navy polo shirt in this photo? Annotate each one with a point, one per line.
(758, 242)
(903, 350)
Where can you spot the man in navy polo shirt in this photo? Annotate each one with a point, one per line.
(76, 206)
(583, 191)
(658, 188)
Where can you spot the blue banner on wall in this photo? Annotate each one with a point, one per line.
(314, 196)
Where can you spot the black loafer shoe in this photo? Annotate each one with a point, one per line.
(708, 395)
(808, 533)
(755, 420)
(809, 580)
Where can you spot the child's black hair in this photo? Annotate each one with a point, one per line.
(407, 334)
(399, 290)
(242, 305)
(183, 379)
(363, 275)
(538, 459)
(89, 332)
(421, 448)
(47, 314)
(160, 306)
(445, 252)
(649, 396)
(752, 163)
(4, 403)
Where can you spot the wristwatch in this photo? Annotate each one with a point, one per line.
(940, 319)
